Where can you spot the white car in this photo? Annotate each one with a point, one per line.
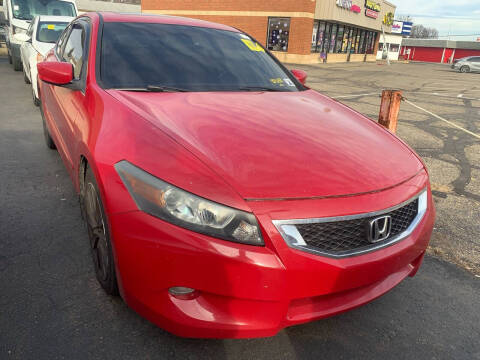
(42, 33)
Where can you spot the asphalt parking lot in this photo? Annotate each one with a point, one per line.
(452, 155)
(52, 307)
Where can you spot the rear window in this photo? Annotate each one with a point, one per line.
(49, 32)
(135, 55)
(28, 9)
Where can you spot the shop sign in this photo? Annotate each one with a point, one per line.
(372, 5)
(388, 19)
(371, 13)
(397, 27)
(348, 5)
(356, 9)
(407, 27)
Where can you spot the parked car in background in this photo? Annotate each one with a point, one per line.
(19, 14)
(42, 34)
(2, 36)
(222, 196)
(467, 64)
(3, 23)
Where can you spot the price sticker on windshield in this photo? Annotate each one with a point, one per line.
(51, 27)
(252, 45)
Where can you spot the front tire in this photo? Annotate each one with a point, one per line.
(465, 69)
(17, 64)
(99, 235)
(36, 101)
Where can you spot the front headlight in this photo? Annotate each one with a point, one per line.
(179, 207)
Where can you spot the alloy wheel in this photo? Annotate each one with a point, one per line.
(96, 233)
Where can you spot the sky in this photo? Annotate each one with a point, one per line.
(454, 17)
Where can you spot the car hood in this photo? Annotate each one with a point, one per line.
(277, 145)
(43, 48)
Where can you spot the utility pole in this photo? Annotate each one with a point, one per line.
(385, 44)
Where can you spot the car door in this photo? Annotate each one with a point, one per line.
(27, 48)
(475, 61)
(74, 50)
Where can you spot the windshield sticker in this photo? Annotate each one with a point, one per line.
(252, 46)
(277, 81)
(16, 7)
(289, 82)
(51, 27)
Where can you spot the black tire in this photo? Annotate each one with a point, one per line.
(48, 139)
(36, 101)
(98, 233)
(465, 69)
(25, 77)
(17, 64)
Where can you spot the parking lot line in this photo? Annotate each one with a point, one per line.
(352, 96)
(445, 120)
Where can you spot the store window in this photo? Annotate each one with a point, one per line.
(333, 38)
(361, 47)
(339, 38)
(320, 36)
(340, 32)
(278, 32)
(394, 47)
(371, 42)
(314, 36)
(357, 41)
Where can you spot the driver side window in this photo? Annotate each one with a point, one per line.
(61, 42)
(72, 51)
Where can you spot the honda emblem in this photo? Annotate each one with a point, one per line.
(379, 228)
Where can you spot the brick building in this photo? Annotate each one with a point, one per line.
(301, 31)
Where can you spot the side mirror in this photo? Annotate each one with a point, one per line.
(300, 75)
(55, 72)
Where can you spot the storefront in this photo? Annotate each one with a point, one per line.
(300, 31)
(336, 38)
(440, 51)
(389, 46)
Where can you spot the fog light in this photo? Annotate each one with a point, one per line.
(183, 293)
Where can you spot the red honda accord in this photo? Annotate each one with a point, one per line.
(223, 197)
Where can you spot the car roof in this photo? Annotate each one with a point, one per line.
(44, 18)
(162, 19)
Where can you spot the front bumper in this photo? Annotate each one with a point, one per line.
(248, 291)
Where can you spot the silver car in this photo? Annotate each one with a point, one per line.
(467, 64)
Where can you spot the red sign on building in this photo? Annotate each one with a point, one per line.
(371, 13)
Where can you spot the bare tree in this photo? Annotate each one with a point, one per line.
(422, 32)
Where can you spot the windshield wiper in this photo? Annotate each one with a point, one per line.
(154, 88)
(259, 88)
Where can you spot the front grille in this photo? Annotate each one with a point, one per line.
(338, 237)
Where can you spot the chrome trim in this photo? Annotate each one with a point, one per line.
(292, 236)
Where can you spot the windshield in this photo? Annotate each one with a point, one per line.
(28, 9)
(142, 55)
(49, 32)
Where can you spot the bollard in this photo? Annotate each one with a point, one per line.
(389, 108)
